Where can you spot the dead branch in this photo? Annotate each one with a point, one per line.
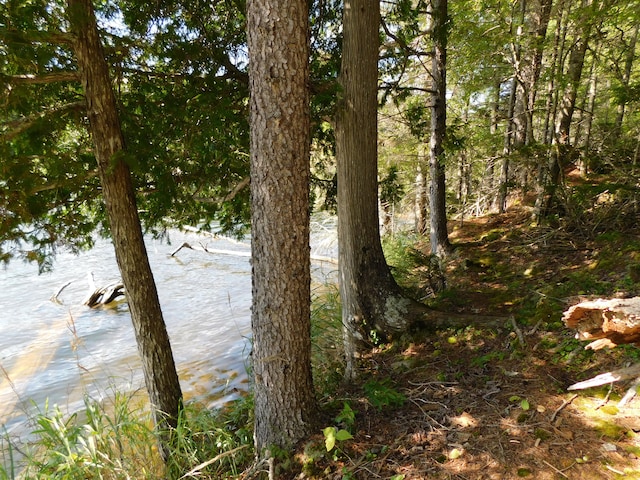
(609, 377)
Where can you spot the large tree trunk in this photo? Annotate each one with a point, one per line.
(371, 299)
(158, 365)
(285, 407)
(439, 33)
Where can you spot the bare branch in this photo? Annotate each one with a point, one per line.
(236, 189)
(31, 79)
(35, 36)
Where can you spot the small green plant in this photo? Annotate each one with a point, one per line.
(346, 417)
(524, 403)
(382, 394)
(483, 360)
(333, 435)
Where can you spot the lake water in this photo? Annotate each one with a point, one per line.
(58, 352)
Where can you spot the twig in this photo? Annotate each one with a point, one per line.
(184, 245)
(556, 470)
(518, 331)
(609, 377)
(562, 407)
(195, 471)
(55, 298)
(605, 400)
(631, 392)
(610, 468)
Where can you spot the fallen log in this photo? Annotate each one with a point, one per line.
(605, 322)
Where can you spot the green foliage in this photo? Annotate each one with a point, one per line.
(346, 417)
(483, 360)
(103, 441)
(382, 394)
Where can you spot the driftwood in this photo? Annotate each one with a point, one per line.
(605, 323)
(98, 296)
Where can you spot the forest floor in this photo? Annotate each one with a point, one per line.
(493, 403)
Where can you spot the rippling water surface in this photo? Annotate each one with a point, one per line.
(57, 352)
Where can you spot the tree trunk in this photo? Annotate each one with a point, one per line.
(540, 25)
(285, 407)
(422, 197)
(588, 122)
(440, 24)
(520, 86)
(503, 190)
(626, 78)
(160, 374)
(559, 155)
(556, 67)
(371, 299)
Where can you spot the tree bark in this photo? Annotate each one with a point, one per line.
(439, 235)
(285, 407)
(160, 374)
(421, 198)
(503, 190)
(371, 299)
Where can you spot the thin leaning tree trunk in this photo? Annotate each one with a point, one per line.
(159, 370)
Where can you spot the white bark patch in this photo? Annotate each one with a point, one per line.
(395, 310)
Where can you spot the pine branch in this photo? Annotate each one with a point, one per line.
(8, 35)
(12, 129)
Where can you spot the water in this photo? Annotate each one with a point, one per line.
(58, 352)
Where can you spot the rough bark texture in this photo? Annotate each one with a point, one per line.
(278, 49)
(371, 299)
(158, 365)
(605, 323)
(439, 235)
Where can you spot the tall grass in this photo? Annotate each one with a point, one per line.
(116, 440)
(326, 339)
